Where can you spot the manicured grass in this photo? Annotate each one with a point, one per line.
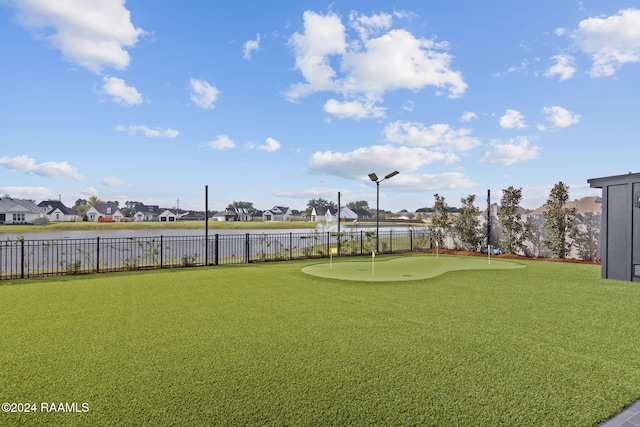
(152, 225)
(551, 344)
(403, 268)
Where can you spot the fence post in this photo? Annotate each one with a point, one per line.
(391, 240)
(22, 259)
(246, 252)
(161, 250)
(290, 246)
(215, 257)
(98, 254)
(328, 242)
(410, 239)
(361, 243)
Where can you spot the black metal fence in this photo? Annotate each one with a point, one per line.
(38, 258)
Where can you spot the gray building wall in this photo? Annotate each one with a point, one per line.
(620, 226)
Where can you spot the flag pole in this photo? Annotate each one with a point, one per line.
(373, 257)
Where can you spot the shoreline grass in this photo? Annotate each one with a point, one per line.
(149, 225)
(550, 344)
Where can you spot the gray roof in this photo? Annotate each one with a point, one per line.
(103, 208)
(52, 205)
(18, 206)
(149, 209)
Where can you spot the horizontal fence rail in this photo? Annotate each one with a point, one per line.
(40, 258)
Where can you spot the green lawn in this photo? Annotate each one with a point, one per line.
(265, 344)
(403, 268)
(154, 225)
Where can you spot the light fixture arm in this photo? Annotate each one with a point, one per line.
(373, 177)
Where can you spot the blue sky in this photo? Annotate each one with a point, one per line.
(277, 103)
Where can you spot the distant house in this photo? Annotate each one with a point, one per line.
(19, 211)
(233, 214)
(192, 216)
(57, 211)
(297, 215)
(277, 213)
(104, 212)
(167, 216)
(331, 214)
(153, 213)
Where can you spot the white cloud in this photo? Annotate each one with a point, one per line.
(418, 183)
(111, 181)
(251, 46)
(353, 109)
(119, 91)
(307, 193)
(512, 119)
(516, 150)
(27, 192)
(564, 67)
(94, 34)
(560, 117)
(437, 136)
(367, 25)
(269, 146)
(398, 60)
(89, 191)
(409, 106)
(406, 183)
(468, 116)
(369, 66)
(323, 36)
(147, 131)
(204, 95)
(49, 169)
(359, 163)
(223, 142)
(610, 41)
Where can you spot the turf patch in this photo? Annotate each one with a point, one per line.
(552, 344)
(405, 268)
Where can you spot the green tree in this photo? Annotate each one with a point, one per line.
(468, 223)
(80, 206)
(360, 208)
(514, 229)
(440, 222)
(130, 208)
(319, 203)
(559, 221)
(93, 200)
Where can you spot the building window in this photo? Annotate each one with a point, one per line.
(19, 217)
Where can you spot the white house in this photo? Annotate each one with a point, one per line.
(153, 213)
(147, 213)
(167, 216)
(104, 212)
(233, 214)
(19, 211)
(331, 214)
(57, 211)
(277, 213)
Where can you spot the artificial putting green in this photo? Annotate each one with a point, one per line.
(406, 268)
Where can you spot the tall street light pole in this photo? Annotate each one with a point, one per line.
(373, 177)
